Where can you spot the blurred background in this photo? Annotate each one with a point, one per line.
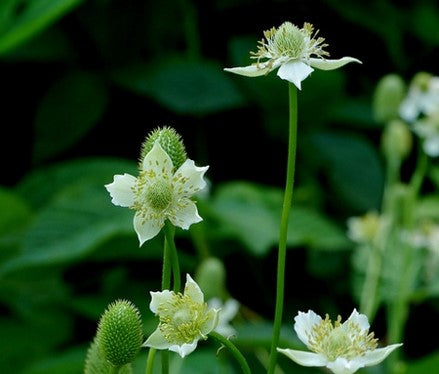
(85, 81)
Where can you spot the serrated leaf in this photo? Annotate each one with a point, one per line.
(183, 86)
(73, 105)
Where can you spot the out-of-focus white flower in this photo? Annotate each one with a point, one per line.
(427, 128)
(290, 49)
(426, 236)
(422, 97)
(341, 347)
(184, 319)
(364, 229)
(159, 193)
(228, 311)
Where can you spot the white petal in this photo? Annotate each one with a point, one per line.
(185, 349)
(186, 214)
(188, 179)
(158, 161)
(324, 64)
(294, 72)
(344, 366)
(359, 319)
(158, 298)
(157, 340)
(146, 229)
(304, 358)
(431, 146)
(211, 322)
(304, 323)
(253, 70)
(229, 309)
(377, 355)
(121, 190)
(192, 290)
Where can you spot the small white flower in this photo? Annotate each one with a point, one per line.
(427, 129)
(341, 347)
(290, 49)
(422, 97)
(228, 311)
(184, 319)
(158, 193)
(364, 229)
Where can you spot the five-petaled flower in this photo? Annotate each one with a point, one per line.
(159, 193)
(290, 49)
(341, 347)
(184, 319)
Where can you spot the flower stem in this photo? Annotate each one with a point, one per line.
(368, 301)
(166, 285)
(169, 235)
(288, 196)
(150, 361)
(233, 350)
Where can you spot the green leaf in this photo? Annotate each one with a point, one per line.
(70, 361)
(42, 185)
(35, 16)
(79, 219)
(14, 212)
(251, 213)
(424, 20)
(183, 86)
(352, 167)
(424, 365)
(73, 105)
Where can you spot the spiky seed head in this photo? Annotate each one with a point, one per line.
(119, 333)
(171, 143)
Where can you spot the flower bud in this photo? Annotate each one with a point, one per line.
(171, 143)
(396, 140)
(119, 333)
(387, 98)
(211, 277)
(95, 363)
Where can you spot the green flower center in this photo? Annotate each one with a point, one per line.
(337, 340)
(289, 40)
(159, 194)
(181, 319)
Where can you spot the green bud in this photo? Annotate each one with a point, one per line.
(397, 140)
(211, 277)
(171, 143)
(119, 333)
(421, 80)
(95, 362)
(387, 98)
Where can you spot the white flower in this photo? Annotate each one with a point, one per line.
(422, 97)
(228, 311)
(290, 49)
(364, 229)
(158, 193)
(341, 347)
(184, 319)
(427, 129)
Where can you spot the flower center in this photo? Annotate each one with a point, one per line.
(159, 194)
(337, 340)
(181, 319)
(289, 41)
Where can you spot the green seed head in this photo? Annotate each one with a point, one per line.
(171, 143)
(119, 333)
(387, 98)
(397, 140)
(211, 277)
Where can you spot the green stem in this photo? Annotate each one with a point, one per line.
(169, 235)
(150, 361)
(233, 350)
(165, 361)
(288, 197)
(166, 285)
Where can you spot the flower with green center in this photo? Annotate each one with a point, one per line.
(341, 347)
(159, 193)
(366, 228)
(184, 319)
(291, 49)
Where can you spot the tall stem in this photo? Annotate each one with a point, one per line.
(288, 197)
(169, 235)
(166, 285)
(233, 350)
(150, 361)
